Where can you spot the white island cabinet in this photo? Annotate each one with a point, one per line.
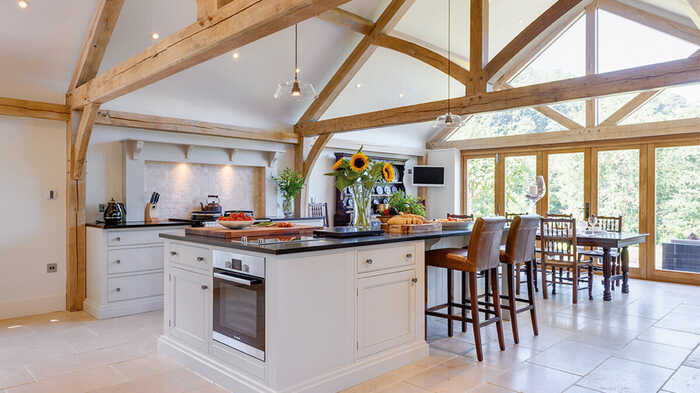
(333, 318)
(124, 269)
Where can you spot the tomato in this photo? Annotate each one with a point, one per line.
(284, 224)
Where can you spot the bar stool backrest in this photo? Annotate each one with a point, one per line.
(484, 243)
(558, 239)
(520, 246)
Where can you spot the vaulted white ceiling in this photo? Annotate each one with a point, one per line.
(40, 46)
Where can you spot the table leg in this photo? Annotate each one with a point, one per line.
(625, 256)
(607, 272)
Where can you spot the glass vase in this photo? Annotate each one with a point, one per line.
(288, 207)
(362, 214)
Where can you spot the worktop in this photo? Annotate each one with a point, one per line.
(316, 243)
(136, 224)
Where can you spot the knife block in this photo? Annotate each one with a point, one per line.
(149, 214)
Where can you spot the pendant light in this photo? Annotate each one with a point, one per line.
(449, 119)
(295, 89)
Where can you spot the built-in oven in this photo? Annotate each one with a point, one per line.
(239, 302)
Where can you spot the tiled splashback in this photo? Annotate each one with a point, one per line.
(183, 185)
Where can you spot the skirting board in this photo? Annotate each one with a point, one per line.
(32, 306)
(126, 307)
(337, 380)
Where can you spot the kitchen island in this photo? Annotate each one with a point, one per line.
(299, 315)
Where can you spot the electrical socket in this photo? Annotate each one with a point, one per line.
(51, 268)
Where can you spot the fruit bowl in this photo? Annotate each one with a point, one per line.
(235, 224)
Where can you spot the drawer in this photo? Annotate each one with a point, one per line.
(189, 256)
(135, 237)
(386, 257)
(126, 260)
(133, 287)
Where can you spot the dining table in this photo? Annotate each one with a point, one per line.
(608, 241)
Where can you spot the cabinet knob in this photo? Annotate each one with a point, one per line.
(200, 259)
(409, 256)
(204, 287)
(117, 239)
(117, 261)
(173, 253)
(119, 289)
(369, 261)
(414, 280)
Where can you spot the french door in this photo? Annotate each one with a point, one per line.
(568, 183)
(479, 196)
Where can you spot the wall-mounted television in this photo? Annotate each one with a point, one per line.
(428, 176)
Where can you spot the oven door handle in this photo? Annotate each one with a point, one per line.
(237, 280)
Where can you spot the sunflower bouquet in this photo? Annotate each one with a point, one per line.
(361, 174)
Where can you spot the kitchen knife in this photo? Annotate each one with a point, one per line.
(153, 197)
(157, 198)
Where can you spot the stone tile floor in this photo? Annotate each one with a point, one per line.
(647, 341)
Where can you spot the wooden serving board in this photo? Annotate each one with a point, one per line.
(412, 228)
(252, 231)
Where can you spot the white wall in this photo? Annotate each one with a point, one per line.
(447, 199)
(32, 162)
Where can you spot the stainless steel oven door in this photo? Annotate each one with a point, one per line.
(239, 312)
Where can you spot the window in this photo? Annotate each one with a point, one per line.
(520, 174)
(677, 212)
(566, 184)
(609, 105)
(626, 44)
(481, 195)
(565, 58)
(511, 122)
(673, 103)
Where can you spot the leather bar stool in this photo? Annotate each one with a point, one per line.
(482, 256)
(520, 248)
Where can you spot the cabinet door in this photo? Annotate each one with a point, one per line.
(386, 311)
(190, 302)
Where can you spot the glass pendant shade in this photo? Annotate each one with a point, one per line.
(448, 120)
(295, 89)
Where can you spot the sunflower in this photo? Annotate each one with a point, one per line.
(388, 172)
(359, 162)
(338, 164)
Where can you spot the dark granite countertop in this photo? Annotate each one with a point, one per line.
(315, 244)
(136, 224)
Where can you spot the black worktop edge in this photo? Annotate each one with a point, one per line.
(136, 224)
(284, 249)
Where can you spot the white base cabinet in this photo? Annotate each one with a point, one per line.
(333, 320)
(124, 270)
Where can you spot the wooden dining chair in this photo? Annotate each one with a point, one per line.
(558, 243)
(511, 216)
(608, 224)
(520, 247)
(319, 209)
(481, 256)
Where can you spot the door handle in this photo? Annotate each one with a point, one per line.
(117, 261)
(369, 261)
(204, 287)
(414, 280)
(173, 253)
(200, 259)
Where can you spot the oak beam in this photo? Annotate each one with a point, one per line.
(668, 26)
(82, 139)
(161, 123)
(95, 45)
(694, 11)
(648, 77)
(75, 223)
(477, 47)
(425, 55)
(552, 113)
(406, 46)
(629, 108)
(550, 20)
(315, 152)
(357, 58)
(347, 19)
(591, 59)
(33, 109)
(234, 25)
(205, 8)
(644, 130)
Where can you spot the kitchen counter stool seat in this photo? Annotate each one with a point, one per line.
(481, 256)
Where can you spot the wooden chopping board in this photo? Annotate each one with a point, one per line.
(412, 228)
(252, 231)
